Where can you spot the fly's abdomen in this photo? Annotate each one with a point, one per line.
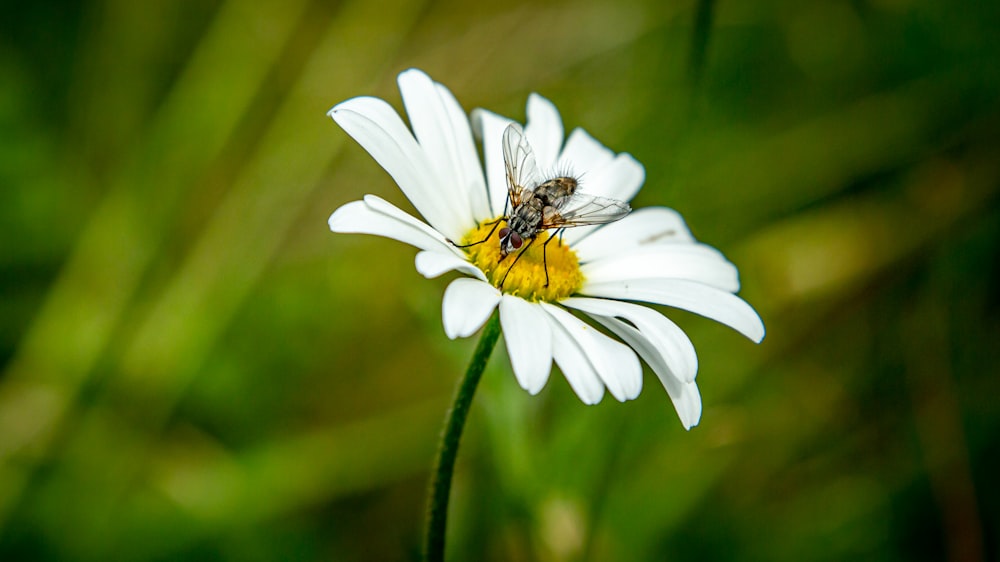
(555, 190)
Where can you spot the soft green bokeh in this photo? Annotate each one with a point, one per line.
(194, 368)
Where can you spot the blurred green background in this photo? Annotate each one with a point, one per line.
(194, 368)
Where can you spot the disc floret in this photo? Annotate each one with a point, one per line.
(527, 278)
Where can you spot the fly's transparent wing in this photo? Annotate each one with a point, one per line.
(518, 158)
(580, 209)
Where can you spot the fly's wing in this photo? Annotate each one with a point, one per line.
(519, 160)
(580, 209)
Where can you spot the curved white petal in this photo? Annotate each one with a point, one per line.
(583, 153)
(683, 395)
(433, 264)
(529, 341)
(615, 364)
(695, 297)
(665, 337)
(479, 194)
(386, 220)
(386, 208)
(642, 227)
(544, 130)
(467, 305)
(687, 402)
(575, 365)
(442, 129)
(490, 127)
(379, 130)
(695, 262)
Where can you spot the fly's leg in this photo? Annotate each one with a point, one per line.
(495, 224)
(545, 259)
(521, 253)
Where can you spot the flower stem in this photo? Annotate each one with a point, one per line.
(437, 509)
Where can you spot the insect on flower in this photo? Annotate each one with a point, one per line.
(536, 205)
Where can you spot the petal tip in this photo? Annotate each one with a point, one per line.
(759, 332)
(342, 106)
(412, 71)
(413, 78)
(342, 214)
(536, 98)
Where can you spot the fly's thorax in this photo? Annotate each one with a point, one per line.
(526, 220)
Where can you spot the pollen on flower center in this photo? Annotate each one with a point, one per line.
(526, 278)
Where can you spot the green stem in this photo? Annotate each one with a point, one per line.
(437, 510)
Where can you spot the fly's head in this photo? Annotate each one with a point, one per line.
(510, 241)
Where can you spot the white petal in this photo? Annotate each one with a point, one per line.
(695, 262)
(443, 132)
(582, 154)
(479, 195)
(529, 341)
(614, 362)
(544, 130)
(466, 306)
(665, 337)
(687, 402)
(490, 127)
(436, 264)
(379, 130)
(577, 369)
(699, 298)
(386, 220)
(642, 227)
(386, 208)
(619, 179)
(683, 395)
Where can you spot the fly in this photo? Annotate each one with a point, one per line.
(535, 205)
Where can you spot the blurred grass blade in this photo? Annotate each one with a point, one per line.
(699, 41)
(246, 229)
(124, 233)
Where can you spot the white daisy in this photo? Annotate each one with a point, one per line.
(648, 256)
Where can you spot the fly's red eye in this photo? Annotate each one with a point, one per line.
(504, 232)
(515, 240)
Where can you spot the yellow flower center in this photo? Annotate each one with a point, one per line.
(527, 277)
